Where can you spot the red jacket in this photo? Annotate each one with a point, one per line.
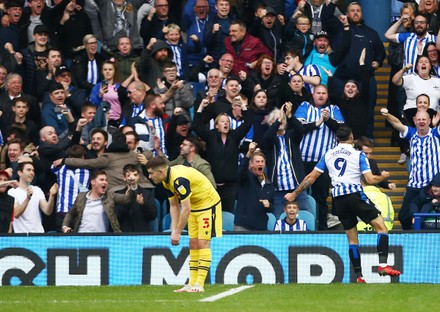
(250, 51)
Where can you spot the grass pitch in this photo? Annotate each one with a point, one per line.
(290, 297)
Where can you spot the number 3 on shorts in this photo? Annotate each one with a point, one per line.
(206, 224)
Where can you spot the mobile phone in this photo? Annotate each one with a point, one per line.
(104, 83)
(58, 109)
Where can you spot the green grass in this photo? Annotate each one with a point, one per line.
(291, 297)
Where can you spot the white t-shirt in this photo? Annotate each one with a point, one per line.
(30, 220)
(414, 86)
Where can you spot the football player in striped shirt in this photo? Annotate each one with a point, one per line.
(346, 166)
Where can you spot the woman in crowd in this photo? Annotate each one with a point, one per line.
(107, 90)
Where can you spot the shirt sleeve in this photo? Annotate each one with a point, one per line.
(183, 188)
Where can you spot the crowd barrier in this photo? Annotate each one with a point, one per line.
(236, 258)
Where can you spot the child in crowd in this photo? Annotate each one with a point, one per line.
(291, 221)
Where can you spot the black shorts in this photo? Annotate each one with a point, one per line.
(349, 207)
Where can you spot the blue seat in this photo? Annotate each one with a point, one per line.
(309, 218)
(312, 202)
(166, 222)
(154, 225)
(158, 213)
(228, 221)
(271, 221)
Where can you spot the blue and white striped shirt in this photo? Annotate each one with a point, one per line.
(345, 166)
(310, 71)
(283, 226)
(285, 179)
(315, 143)
(425, 156)
(70, 183)
(411, 51)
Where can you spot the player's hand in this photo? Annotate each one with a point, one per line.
(290, 197)
(175, 238)
(392, 186)
(385, 174)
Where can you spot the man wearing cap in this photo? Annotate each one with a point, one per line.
(35, 60)
(322, 54)
(269, 29)
(75, 97)
(56, 113)
(177, 132)
(10, 33)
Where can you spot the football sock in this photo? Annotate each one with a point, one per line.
(204, 265)
(193, 266)
(382, 247)
(355, 258)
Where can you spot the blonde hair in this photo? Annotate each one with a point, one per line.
(173, 26)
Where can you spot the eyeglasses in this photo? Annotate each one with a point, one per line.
(92, 43)
(161, 5)
(131, 91)
(419, 22)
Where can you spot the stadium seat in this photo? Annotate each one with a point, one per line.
(271, 221)
(313, 205)
(166, 222)
(309, 218)
(158, 213)
(154, 225)
(228, 221)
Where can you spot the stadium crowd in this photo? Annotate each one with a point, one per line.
(250, 93)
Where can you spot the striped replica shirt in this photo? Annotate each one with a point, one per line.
(411, 49)
(140, 125)
(283, 226)
(310, 71)
(285, 179)
(425, 156)
(315, 143)
(345, 166)
(70, 183)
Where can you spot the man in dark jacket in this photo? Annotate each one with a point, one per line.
(255, 192)
(152, 59)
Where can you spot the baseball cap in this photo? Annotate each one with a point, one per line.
(321, 33)
(60, 70)
(55, 86)
(181, 120)
(5, 173)
(39, 29)
(270, 10)
(13, 4)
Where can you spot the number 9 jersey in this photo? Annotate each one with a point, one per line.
(346, 167)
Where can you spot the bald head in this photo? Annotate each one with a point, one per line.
(48, 135)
